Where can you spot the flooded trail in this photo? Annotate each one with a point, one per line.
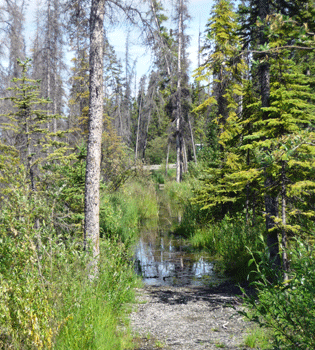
(184, 304)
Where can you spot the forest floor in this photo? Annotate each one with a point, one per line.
(189, 318)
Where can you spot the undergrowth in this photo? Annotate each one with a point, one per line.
(286, 308)
(123, 211)
(47, 300)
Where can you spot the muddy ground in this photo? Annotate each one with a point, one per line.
(189, 318)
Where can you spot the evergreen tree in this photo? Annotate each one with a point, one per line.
(34, 142)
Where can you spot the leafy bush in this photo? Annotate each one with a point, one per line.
(46, 298)
(287, 308)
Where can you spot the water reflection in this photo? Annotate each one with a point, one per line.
(163, 260)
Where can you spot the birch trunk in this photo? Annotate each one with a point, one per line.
(93, 159)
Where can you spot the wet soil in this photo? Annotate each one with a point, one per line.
(189, 318)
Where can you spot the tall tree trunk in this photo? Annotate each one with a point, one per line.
(153, 4)
(93, 159)
(284, 239)
(138, 129)
(167, 156)
(178, 100)
(146, 135)
(192, 140)
(184, 156)
(271, 201)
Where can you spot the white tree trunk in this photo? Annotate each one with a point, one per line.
(93, 160)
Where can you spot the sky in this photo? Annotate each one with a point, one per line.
(199, 11)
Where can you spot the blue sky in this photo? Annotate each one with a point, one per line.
(199, 11)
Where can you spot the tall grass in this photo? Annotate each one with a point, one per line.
(231, 241)
(92, 311)
(47, 300)
(123, 211)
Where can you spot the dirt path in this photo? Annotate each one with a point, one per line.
(189, 318)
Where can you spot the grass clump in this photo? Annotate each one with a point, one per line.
(258, 337)
(230, 242)
(94, 310)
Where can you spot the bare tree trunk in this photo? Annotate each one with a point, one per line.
(167, 155)
(93, 159)
(184, 157)
(178, 102)
(146, 135)
(271, 201)
(178, 150)
(48, 56)
(160, 37)
(192, 140)
(138, 129)
(247, 192)
(284, 239)
(271, 206)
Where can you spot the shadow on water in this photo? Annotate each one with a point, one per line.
(164, 260)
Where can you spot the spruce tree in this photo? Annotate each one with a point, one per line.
(34, 142)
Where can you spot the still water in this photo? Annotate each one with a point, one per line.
(162, 259)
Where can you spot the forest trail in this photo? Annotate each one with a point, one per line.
(189, 318)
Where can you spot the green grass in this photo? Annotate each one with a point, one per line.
(47, 300)
(123, 211)
(230, 242)
(92, 311)
(258, 337)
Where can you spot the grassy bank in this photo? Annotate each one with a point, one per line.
(125, 210)
(47, 300)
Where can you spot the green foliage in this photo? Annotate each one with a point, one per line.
(156, 152)
(231, 242)
(124, 210)
(29, 121)
(287, 308)
(158, 175)
(46, 298)
(26, 312)
(258, 338)
(92, 310)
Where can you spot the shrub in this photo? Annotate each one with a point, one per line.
(46, 298)
(287, 308)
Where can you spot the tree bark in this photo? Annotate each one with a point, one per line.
(93, 159)
(284, 238)
(178, 100)
(153, 4)
(271, 201)
(138, 129)
(192, 140)
(167, 156)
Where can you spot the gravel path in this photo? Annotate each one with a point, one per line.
(189, 318)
